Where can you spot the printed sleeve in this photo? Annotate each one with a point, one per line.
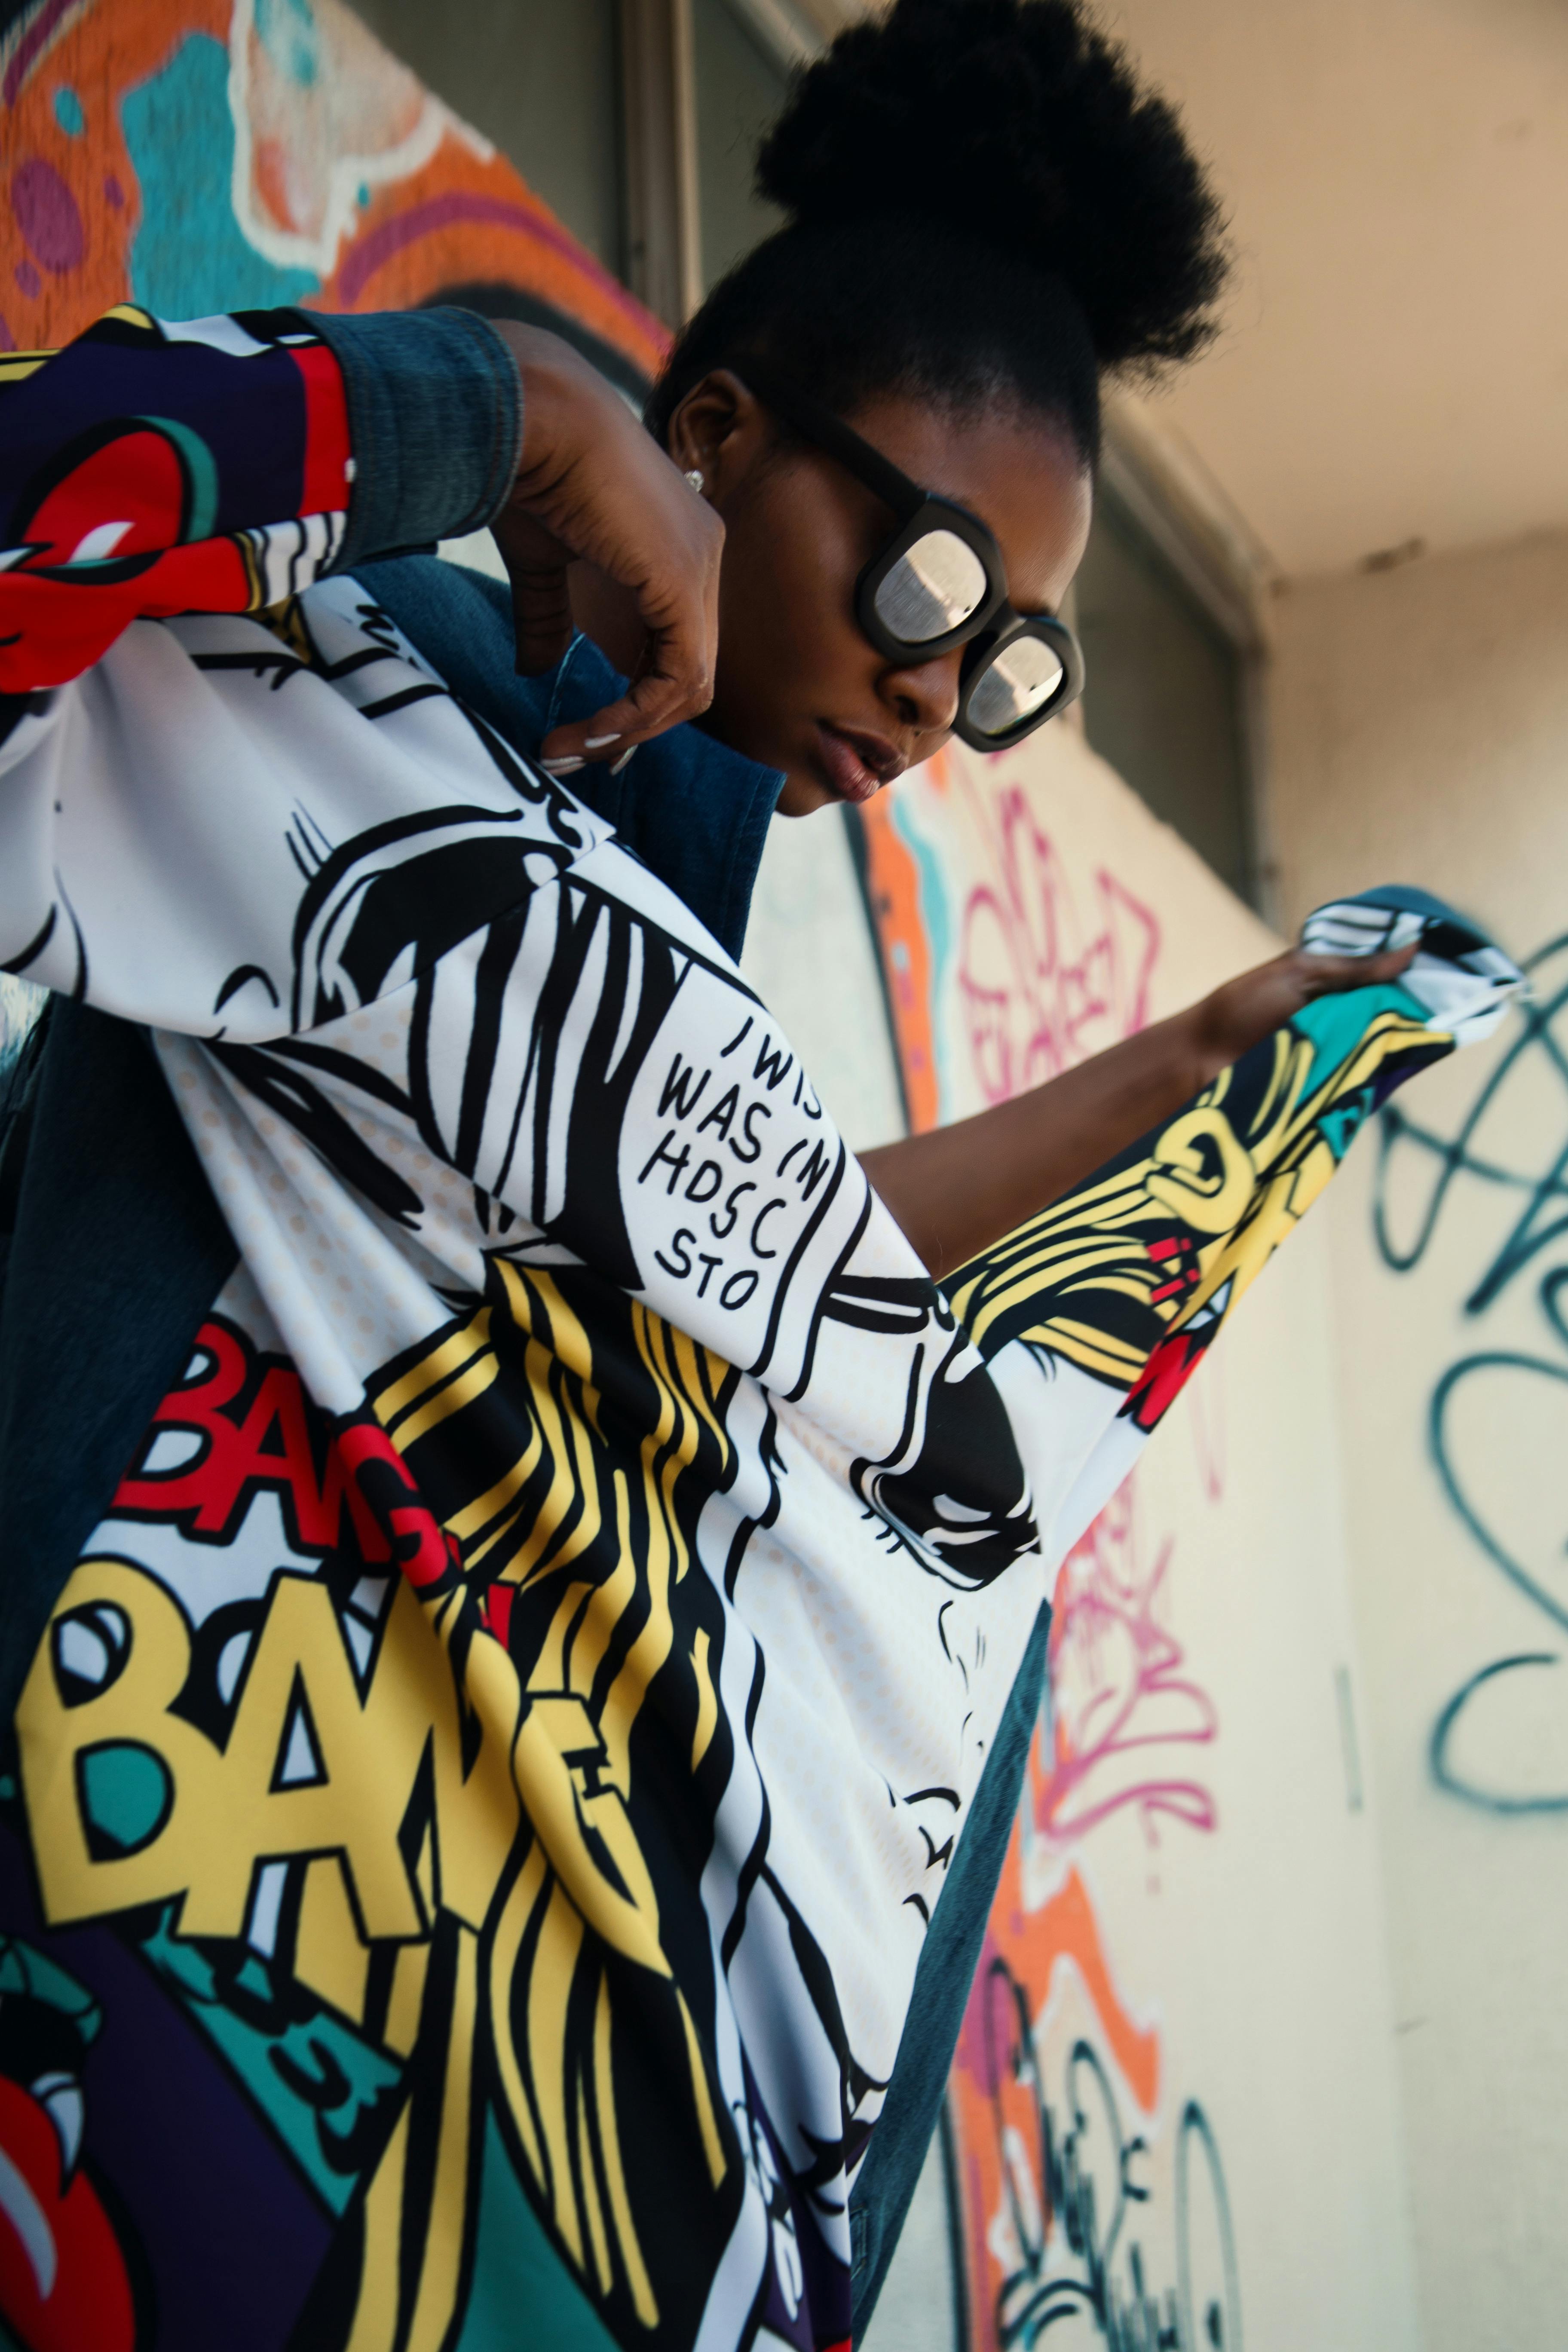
(150, 469)
(1094, 1315)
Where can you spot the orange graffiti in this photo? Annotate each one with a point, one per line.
(994, 2090)
(893, 891)
(1036, 1943)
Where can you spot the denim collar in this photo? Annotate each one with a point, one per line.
(696, 812)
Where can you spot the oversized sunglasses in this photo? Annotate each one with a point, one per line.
(940, 581)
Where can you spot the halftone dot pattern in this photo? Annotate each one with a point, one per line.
(341, 1292)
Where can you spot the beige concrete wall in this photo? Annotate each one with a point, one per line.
(1420, 731)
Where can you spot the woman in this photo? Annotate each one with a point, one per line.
(539, 1570)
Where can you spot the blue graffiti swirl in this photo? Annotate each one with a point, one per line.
(1540, 1226)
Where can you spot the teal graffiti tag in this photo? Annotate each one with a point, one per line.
(1539, 1049)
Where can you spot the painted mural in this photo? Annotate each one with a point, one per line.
(193, 155)
(1086, 2190)
(196, 156)
(204, 155)
(1042, 977)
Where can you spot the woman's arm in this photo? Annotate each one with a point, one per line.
(961, 1188)
(150, 469)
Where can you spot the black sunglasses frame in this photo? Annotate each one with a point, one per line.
(993, 625)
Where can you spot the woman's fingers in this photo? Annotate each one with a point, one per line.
(542, 607)
(1329, 975)
(673, 681)
(1246, 1009)
(591, 484)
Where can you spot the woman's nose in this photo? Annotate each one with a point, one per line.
(925, 694)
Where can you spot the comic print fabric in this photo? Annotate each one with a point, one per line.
(1129, 1279)
(477, 1808)
(152, 468)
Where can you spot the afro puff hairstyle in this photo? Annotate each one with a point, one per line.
(982, 203)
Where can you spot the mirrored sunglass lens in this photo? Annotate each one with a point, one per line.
(934, 586)
(1018, 682)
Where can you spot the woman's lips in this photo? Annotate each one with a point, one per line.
(858, 764)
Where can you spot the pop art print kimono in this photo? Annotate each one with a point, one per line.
(478, 1805)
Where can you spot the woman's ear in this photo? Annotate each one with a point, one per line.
(719, 430)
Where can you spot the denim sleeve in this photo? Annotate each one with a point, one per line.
(435, 407)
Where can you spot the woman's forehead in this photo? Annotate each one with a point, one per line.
(1016, 469)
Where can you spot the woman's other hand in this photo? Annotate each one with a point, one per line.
(593, 485)
(1229, 1021)
(959, 1188)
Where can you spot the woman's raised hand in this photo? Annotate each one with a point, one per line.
(958, 1189)
(1233, 1018)
(591, 484)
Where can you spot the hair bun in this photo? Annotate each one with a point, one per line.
(1018, 122)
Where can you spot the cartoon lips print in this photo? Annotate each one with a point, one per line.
(63, 2282)
(121, 529)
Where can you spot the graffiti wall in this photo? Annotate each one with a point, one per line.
(1171, 2120)
(1482, 1162)
(201, 155)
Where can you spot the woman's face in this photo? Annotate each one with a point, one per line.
(797, 685)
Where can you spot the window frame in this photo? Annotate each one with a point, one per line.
(1192, 527)
(662, 227)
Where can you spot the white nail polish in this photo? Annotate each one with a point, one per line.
(597, 742)
(560, 767)
(616, 766)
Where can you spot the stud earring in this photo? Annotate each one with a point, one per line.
(695, 478)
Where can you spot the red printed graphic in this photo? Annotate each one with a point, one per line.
(256, 1429)
(63, 2282)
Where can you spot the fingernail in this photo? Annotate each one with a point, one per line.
(560, 767)
(597, 742)
(616, 766)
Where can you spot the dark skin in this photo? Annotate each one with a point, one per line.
(797, 684)
(751, 631)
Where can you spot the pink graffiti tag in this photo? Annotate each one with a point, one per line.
(1046, 985)
(1116, 1692)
